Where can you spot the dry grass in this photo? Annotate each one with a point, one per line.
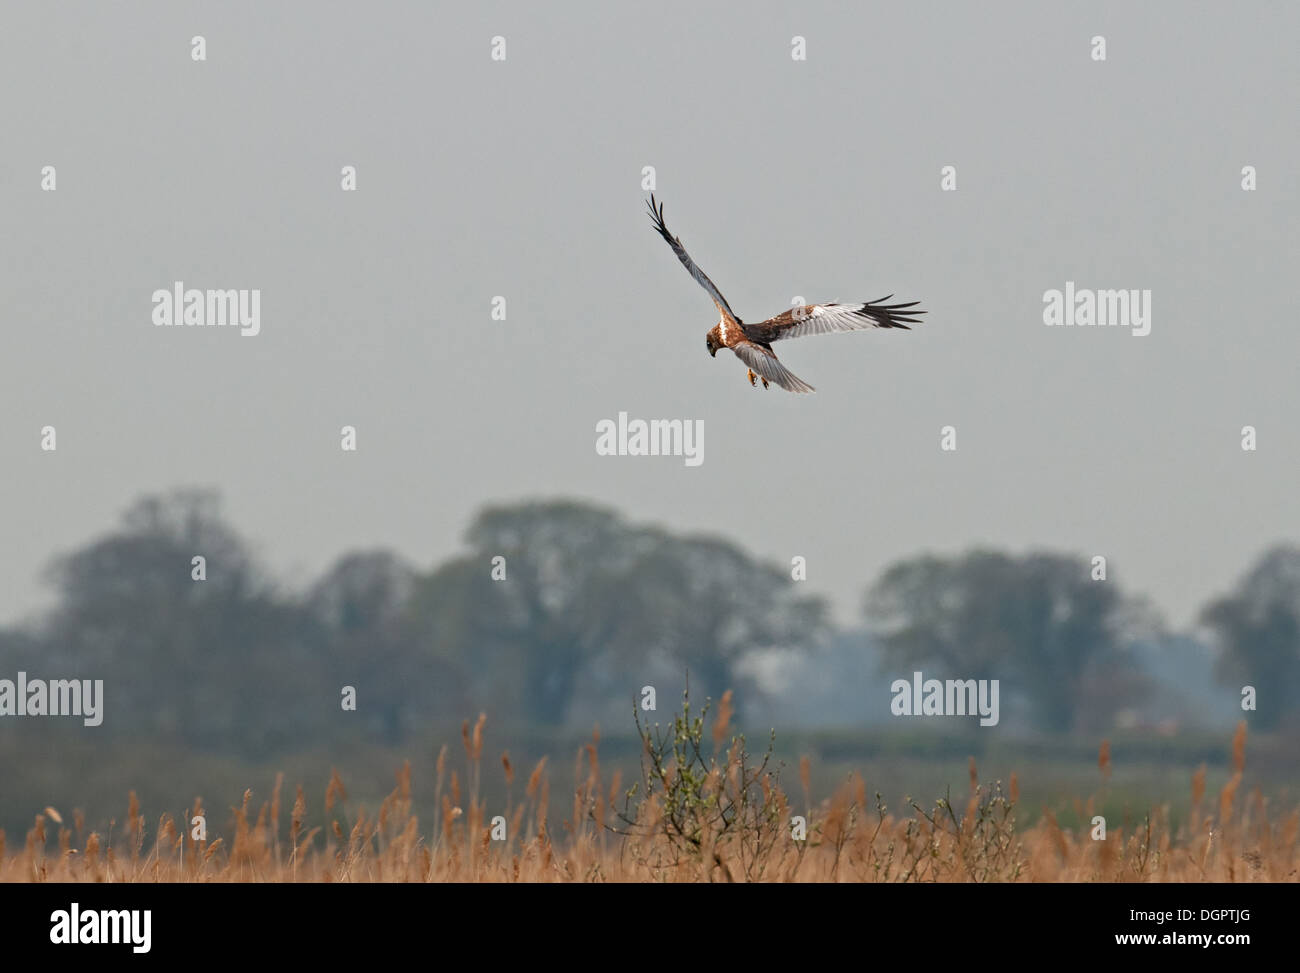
(733, 825)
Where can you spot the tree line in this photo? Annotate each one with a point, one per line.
(556, 608)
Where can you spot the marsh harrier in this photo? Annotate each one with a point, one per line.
(752, 343)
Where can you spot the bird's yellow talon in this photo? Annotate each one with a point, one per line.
(752, 376)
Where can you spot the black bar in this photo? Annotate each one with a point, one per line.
(237, 922)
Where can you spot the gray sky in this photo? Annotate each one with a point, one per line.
(522, 179)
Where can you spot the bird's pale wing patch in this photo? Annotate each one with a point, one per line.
(765, 363)
(657, 216)
(834, 318)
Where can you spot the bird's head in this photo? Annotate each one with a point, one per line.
(712, 344)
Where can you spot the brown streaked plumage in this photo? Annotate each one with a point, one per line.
(752, 343)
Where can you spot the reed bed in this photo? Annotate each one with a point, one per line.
(703, 810)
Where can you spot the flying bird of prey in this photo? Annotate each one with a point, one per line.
(752, 343)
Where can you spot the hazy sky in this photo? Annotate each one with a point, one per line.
(522, 178)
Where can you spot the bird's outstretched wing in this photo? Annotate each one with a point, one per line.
(657, 215)
(763, 361)
(832, 318)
